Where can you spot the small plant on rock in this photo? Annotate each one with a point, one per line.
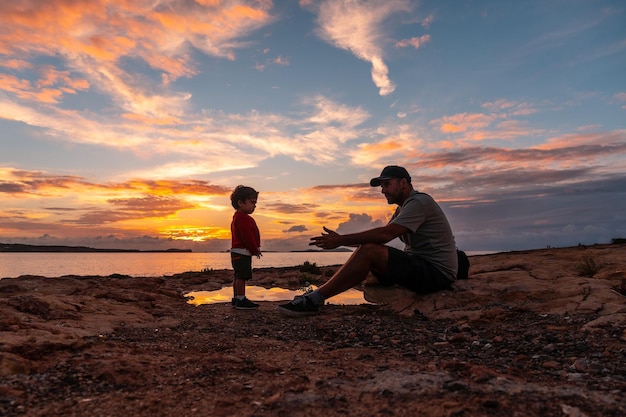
(307, 278)
(588, 267)
(310, 268)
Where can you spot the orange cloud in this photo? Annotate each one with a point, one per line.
(450, 128)
(34, 182)
(382, 146)
(247, 12)
(93, 38)
(14, 84)
(169, 187)
(463, 122)
(148, 120)
(51, 77)
(494, 126)
(103, 48)
(140, 208)
(15, 64)
(48, 89)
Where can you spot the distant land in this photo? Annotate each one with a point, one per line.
(15, 247)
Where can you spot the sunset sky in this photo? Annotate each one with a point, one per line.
(127, 123)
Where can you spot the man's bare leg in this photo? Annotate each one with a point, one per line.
(367, 257)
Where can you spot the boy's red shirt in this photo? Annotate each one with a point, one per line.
(245, 233)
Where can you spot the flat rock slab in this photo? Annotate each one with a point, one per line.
(545, 281)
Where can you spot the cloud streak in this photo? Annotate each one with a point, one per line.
(358, 27)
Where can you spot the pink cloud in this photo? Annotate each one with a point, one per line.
(510, 108)
(414, 42)
(279, 60)
(15, 64)
(585, 139)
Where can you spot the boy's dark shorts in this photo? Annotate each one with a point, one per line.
(412, 272)
(242, 264)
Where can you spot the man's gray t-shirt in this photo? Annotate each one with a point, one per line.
(430, 235)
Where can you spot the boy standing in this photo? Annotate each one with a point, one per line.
(246, 242)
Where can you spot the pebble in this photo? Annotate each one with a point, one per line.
(458, 338)
(550, 364)
(465, 327)
(580, 365)
(575, 377)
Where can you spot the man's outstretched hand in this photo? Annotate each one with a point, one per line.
(328, 240)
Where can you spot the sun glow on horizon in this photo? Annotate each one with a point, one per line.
(194, 234)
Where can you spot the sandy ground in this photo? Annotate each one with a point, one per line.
(526, 335)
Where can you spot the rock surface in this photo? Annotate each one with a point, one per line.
(526, 335)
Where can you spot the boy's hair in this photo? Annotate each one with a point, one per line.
(242, 193)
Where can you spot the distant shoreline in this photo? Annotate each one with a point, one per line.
(16, 247)
(24, 248)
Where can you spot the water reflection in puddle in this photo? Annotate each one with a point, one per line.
(350, 297)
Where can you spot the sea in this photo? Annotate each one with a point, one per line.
(148, 264)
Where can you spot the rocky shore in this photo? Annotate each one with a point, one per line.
(533, 333)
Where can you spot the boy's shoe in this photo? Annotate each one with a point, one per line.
(245, 304)
(300, 306)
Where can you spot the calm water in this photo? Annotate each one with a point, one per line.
(145, 264)
(349, 297)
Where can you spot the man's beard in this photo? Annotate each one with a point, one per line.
(391, 198)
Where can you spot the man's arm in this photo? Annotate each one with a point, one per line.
(380, 235)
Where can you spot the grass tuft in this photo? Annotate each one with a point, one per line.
(588, 267)
(310, 268)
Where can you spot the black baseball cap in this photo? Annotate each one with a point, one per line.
(389, 172)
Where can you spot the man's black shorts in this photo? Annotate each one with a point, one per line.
(412, 272)
(242, 264)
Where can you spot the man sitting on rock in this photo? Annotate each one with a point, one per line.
(427, 264)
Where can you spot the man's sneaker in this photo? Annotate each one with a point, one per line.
(245, 304)
(300, 306)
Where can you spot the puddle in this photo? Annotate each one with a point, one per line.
(350, 297)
